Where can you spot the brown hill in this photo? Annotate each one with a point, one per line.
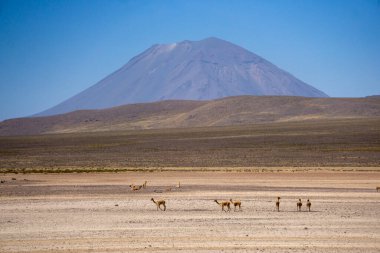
(238, 110)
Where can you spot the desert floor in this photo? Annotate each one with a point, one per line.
(97, 212)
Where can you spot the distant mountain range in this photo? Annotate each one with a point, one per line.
(193, 70)
(186, 113)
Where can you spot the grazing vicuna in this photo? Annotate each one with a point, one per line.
(299, 205)
(135, 187)
(224, 204)
(278, 204)
(159, 203)
(308, 204)
(236, 203)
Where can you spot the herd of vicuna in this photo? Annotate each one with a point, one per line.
(225, 205)
(237, 203)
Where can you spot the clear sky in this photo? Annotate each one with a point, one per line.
(52, 49)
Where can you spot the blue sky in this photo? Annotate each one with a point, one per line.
(52, 49)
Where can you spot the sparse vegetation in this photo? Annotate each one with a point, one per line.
(339, 143)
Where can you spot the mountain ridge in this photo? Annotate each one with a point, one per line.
(229, 111)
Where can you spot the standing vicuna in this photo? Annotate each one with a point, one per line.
(236, 203)
(299, 205)
(308, 204)
(377, 188)
(224, 204)
(278, 204)
(159, 203)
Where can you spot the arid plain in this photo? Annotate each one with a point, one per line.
(97, 212)
(50, 203)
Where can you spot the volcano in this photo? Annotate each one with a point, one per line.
(189, 70)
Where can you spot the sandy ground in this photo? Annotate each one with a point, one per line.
(98, 212)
